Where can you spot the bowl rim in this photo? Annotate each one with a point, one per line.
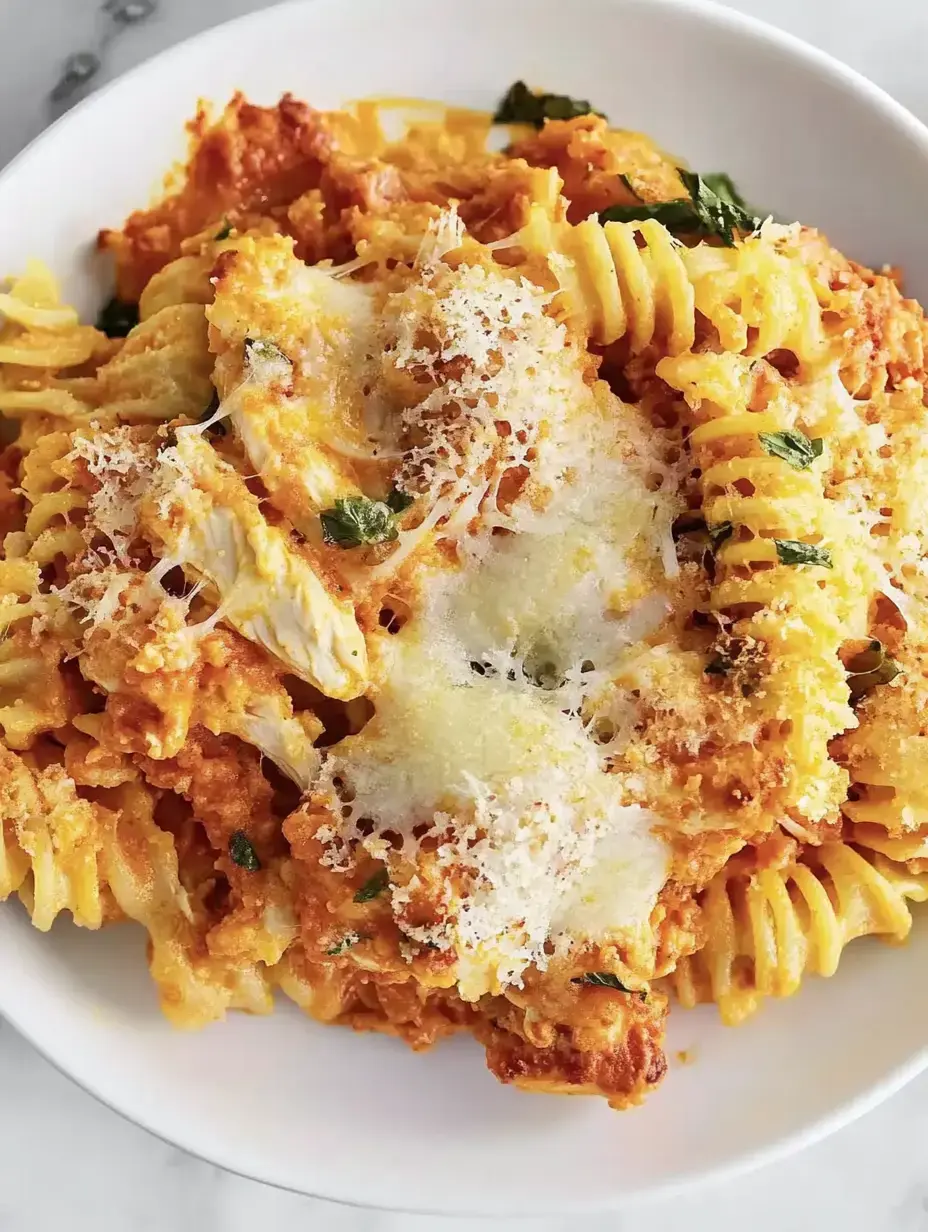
(713, 13)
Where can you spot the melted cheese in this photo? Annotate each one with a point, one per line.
(477, 732)
(478, 736)
(519, 795)
(555, 601)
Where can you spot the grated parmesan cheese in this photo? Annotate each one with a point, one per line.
(515, 789)
(123, 471)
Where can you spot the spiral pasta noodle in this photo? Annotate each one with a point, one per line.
(52, 841)
(767, 928)
(39, 331)
(885, 756)
(634, 280)
(447, 608)
(35, 697)
(778, 594)
(759, 299)
(609, 287)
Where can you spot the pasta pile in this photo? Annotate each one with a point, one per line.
(466, 591)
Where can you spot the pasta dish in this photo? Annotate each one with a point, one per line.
(471, 578)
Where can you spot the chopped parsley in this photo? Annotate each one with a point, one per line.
(719, 533)
(399, 501)
(357, 520)
(719, 665)
(869, 669)
(346, 943)
(605, 979)
(795, 552)
(520, 105)
(243, 853)
(261, 353)
(713, 209)
(373, 886)
(117, 318)
(792, 446)
(224, 231)
(724, 186)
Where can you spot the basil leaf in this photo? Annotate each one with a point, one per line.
(224, 231)
(869, 669)
(718, 665)
(242, 852)
(714, 209)
(520, 105)
(795, 552)
(676, 215)
(355, 520)
(117, 318)
(629, 185)
(792, 446)
(724, 186)
(719, 533)
(399, 501)
(373, 886)
(605, 979)
(719, 216)
(346, 943)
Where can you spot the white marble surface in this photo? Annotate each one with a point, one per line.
(68, 1163)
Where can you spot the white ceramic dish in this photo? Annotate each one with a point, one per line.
(359, 1118)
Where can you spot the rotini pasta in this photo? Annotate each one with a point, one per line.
(466, 590)
(769, 927)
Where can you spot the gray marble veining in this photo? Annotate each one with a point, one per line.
(68, 1163)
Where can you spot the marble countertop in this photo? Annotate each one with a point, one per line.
(68, 1163)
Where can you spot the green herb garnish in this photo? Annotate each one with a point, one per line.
(356, 520)
(266, 361)
(224, 231)
(373, 886)
(346, 943)
(605, 979)
(676, 215)
(520, 105)
(719, 533)
(399, 501)
(714, 208)
(724, 186)
(792, 446)
(719, 665)
(243, 853)
(117, 318)
(869, 669)
(795, 552)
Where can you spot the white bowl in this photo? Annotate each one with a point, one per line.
(358, 1118)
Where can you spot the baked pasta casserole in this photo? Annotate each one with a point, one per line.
(466, 588)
